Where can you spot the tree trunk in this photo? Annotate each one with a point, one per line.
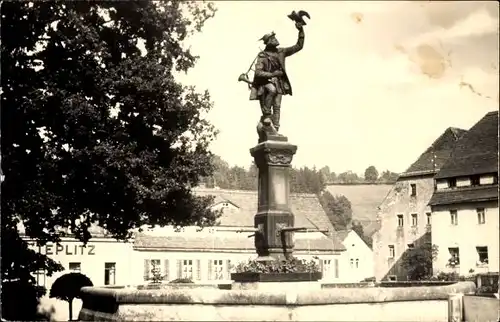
(70, 302)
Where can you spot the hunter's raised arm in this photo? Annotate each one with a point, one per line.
(300, 42)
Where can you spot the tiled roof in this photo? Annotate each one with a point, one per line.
(461, 195)
(364, 198)
(436, 155)
(306, 208)
(476, 152)
(217, 243)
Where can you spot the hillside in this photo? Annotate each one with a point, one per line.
(364, 198)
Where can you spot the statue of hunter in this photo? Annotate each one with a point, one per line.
(271, 81)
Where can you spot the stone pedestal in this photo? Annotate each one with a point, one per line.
(273, 158)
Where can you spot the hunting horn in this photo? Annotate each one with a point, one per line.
(244, 77)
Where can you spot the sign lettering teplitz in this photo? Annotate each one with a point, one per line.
(57, 249)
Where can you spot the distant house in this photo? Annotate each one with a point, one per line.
(211, 254)
(359, 256)
(364, 198)
(404, 215)
(465, 218)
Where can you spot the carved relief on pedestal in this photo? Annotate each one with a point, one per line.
(279, 158)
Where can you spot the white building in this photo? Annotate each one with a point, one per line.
(104, 260)
(465, 217)
(359, 256)
(204, 256)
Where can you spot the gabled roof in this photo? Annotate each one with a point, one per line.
(306, 207)
(476, 152)
(436, 155)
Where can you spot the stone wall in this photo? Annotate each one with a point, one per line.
(426, 303)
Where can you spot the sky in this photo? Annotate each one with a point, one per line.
(376, 82)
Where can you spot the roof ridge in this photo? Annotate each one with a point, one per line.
(249, 192)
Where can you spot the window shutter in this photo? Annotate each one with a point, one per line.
(228, 269)
(336, 261)
(166, 269)
(321, 265)
(198, 269)
(209, 275)
(147, 264)
(179, 268)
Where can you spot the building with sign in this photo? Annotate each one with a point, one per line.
(104, 260)
(207, 255)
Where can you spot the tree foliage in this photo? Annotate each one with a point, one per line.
(94, 130)
(67, 287)
(358, 228)
(388, 177)
(371, 174)
(418, 261)
(338, 209)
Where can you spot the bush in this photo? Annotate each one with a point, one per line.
(418, 261)
(290, 265)
(20, 301)
(181, 280)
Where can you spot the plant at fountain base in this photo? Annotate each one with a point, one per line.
(291, 265)
(181, 281)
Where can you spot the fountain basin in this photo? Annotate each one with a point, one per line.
(425, 303)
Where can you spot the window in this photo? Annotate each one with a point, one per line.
(187, 268)
(392, 278)
(455, 255)
(216, 269)
(429, 218)
(413, 189)
(327, 266)
(109, 273)
(454, 217)
(452, 182)
(411, 246)
(480, 216)
(40, 278)
(352, 263)
(400, 220)
(482, 253)
(75, 267)
(357, 263)
(475, 180)
(391, 251)
(414, 220)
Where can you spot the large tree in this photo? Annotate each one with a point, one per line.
(94, 129)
